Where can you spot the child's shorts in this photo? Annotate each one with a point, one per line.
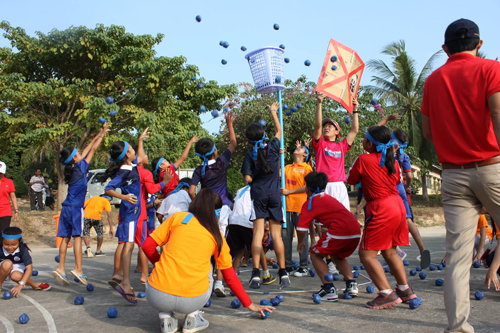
(71, 222)
(141, 232)
(224, 219)
(238, 237)
(267, 207)
(402, 194)
(126, 232)
(385, 225)
(331, 245)
(15, 268)
(96, 224)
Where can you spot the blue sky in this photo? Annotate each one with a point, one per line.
(305, 28)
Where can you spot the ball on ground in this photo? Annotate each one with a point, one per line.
(316, 299)
(231, 293)
(34, 273)
(329, 277)
(418, 269)
(444, 263)
(439, 267)
(413, 272)
(198, 18)
(265, 302)
(276, 26)
(439, 282)
(235, 304)
(101, 120)
(414, 304)
(90, 287)
(432, 267)
(208, 303)
(362, 267)
(287, 60)
(76, 280)
(387, 269)
(347, 296)
(276, 266)
(479, 295)
(422, 275)
(142, 294)
(275, 301)
(406, 263)
(281, 298)
(56, 258)
(112, 313)
(370, 289)
(335, 277)
(7, 295)
(355, 274)
(419, 299)
(312, 272)
(355, 267)
(476, 264)
(250, 261)
(307, 63)
(79, 300)
(110, 100)
(23, 319)
(266, 314)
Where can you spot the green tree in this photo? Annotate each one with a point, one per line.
(402, 87)
(53, 89)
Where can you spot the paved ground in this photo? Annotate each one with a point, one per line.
(54, 311)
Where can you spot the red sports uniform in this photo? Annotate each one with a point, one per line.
(173, 182)
(385, 225)
(148, 186)
(344, 230)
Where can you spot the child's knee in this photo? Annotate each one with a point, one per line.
(6, 266)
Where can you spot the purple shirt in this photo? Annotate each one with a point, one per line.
(215, 177)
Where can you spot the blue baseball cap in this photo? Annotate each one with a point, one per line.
(461, 29)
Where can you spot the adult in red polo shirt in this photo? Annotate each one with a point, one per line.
(461, 115)
(7, 193)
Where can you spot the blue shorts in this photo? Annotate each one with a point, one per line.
(71, 222)
(402, 194)
(267, 207)
(126, 231)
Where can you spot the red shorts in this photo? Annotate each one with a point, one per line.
(385, 225)
(337, 246)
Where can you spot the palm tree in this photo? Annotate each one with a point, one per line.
(403, 87)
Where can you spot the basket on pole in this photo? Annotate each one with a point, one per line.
(268, 74)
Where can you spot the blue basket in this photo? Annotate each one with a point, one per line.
(266, 64)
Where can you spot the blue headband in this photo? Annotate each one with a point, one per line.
(158, 165)
(258, 144)
(178, 188)
(401, 145)
(18, 236)
(217, 212)
(205, 159)
(122, 155)
(107, 197)
(70, 158)
(315, 193)
(381, 147)
(307, 151)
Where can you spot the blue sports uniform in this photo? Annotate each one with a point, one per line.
(128, 180)
(215, 177)
(405, 166)
(151, 212)
(71, 219)
(265, 188)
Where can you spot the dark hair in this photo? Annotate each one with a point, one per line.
(383, 135)
(255, 132)
(402, 136)
(203, 208)
(316, 180)
(68, 168)
(462, 44)
(203, 146)
(156, 177)
(114, 152)
(185, 180)
(15, 231)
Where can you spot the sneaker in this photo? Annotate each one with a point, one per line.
(100, 254)
(406, 295)
(43, 287)
(328, 295)
(89, 252)
(383, 302)
(402, 254)
(194, 322)
(352, 289)
(169, 323)
(332, 269)
(268, 279)
(219, 290)
(284, 281)
(301, 272)
(244, 264)
(289, 270)
(255, 279)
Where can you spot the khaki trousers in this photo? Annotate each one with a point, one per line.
(464, 191)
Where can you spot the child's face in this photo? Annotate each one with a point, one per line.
(300, 151)
(77, 157)
(10, 245)
(164, 164)
(130, 153)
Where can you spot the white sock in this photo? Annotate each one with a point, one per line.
(403, 287)
(218, 283)
(265, 273)
(385, 292)
(163, 315)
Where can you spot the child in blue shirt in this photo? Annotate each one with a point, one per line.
(76, 166)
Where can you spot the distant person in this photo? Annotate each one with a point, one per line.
(176, 201)
(461, 115)
(7, 193)
(93, 219)
(49, 198)
(36, 190)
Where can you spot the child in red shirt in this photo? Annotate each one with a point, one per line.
(339, 242)
(385, 226)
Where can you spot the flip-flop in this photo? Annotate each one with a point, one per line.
(114, 282)
(60, 278)
(425, 259)
(81, 277)
(120, 290)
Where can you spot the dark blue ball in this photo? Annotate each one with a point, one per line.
(243, 48)
(193, 78)
(200, 86)
(418, 269)
(362, 267)
(232, 294)
(439, 267)
(406, 263)
(142, 294)
(79, 300)
(221, 43)
(223, 61)
(307, 63)
(110, 100)
(285, 106)
(414, 304)
(56, 258)
(7, 295)
(238, 272)
(112, 313)
(225, 45)
(113, 113)
(263, 124)
(432, 267)
(387, 269)
(235, 304)
(335, 277)
(422, 275)
(317, 299)
(476, 264)
(265, 302)
(444, 263)
(439, 282)
(276, 26)
(413, 272)
(312, 272)
(294, 109)
(334, 67)
(275, 301)
(277, 79)
(282, 46)
(347, 296)
(333, 58)
(373, 101)
(90, 287)
(355, 267)
(287, 60)
(266, 314)
(23, 319)
(101, 120)
(370, 289)
(208, 303)
(288, 113)
(479, 295)
(347, 120)
(250, 261)
(214, 113)
(198, 18)
(281, 298)
(355, 274)
(276, 266)
(329, 277)
(76, 280)
(299, 106)
(34, 273)
(295, 267)
(203, 108)
(419, 300)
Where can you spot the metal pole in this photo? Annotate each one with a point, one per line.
(282, 157)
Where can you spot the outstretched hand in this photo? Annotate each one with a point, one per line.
(394, 116)
(274, 107)
(144, 134)
(307, 142)
(229, 116)
(320, 97)
(167, 176)
(298, 144)
(195, 139)
(261, 308)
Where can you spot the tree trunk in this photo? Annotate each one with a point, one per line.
(425, 193)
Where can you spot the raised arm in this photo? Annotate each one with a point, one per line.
(354, 124)
(229, 115)
(388, 118)
(185, 153)
(494, 106)
(318, 118)
(140, 145)
(95, 144)
(274, 113)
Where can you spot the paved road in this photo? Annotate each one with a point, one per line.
(54, 311)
